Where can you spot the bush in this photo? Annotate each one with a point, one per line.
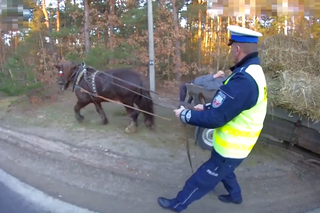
(18, 79)
(12, 88)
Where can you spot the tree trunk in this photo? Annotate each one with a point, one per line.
(45, 13)
(206, 37)
(16, 38)
(86, 26)
(111, 25)
(293, 27)
(285, 25)
(199, 36)
(218, 42)
(243, 20)
(177, 40)
(58, 16)
(58, 28)
(228, 32)
(255, 23)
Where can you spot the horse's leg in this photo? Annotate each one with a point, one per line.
(148, 120)
(133, 114)
(77, 109)
(137, 113)
(101, 113)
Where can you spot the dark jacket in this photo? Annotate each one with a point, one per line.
(208, 82)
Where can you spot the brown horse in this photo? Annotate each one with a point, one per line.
(110, 84)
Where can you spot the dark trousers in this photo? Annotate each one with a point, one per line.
(216, 169)
(183, 91)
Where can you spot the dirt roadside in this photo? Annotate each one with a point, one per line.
(101, 168)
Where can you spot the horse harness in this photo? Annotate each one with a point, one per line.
(83, 74)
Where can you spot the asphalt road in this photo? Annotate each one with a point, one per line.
(11, 202)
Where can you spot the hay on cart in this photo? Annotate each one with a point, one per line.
(296, 91)
(316, 58)
(281, 52)
(292, 71)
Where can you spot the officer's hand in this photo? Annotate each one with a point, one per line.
(199, 107)
(178, 111)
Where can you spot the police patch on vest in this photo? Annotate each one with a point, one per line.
(218, 100)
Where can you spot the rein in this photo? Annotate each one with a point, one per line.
(187, 147)
(117, 102)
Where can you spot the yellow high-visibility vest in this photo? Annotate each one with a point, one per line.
(237, 138)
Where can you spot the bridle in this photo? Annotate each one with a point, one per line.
(63, 81)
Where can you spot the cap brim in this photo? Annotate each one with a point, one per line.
(230, 42)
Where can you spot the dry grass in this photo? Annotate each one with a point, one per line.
(297, 91)
(283, 52)
(316, 58)
(292, 68)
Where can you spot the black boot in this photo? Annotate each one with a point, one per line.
(165, 203)
(228, 199)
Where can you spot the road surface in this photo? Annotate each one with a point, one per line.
(99, 168)
(12, 202)
(18, 197)
(108, 180)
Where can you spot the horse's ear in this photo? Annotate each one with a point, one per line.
(57, 66)
(83, 64)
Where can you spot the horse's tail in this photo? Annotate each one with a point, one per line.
(146, 103)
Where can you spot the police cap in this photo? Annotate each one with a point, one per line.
(242, 35)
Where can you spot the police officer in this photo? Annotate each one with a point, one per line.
(237, 113)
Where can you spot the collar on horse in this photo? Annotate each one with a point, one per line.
(82, 73)
(79, 74)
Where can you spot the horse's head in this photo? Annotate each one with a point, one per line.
(67, 71)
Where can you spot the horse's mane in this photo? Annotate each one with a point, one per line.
(91, 69)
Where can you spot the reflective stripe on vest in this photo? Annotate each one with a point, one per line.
(237, 138)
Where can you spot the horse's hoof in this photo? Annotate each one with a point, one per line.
(80, 118)
(151, 128)
(130, 129)
(105, 122)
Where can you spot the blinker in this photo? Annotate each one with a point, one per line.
(60, 73)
